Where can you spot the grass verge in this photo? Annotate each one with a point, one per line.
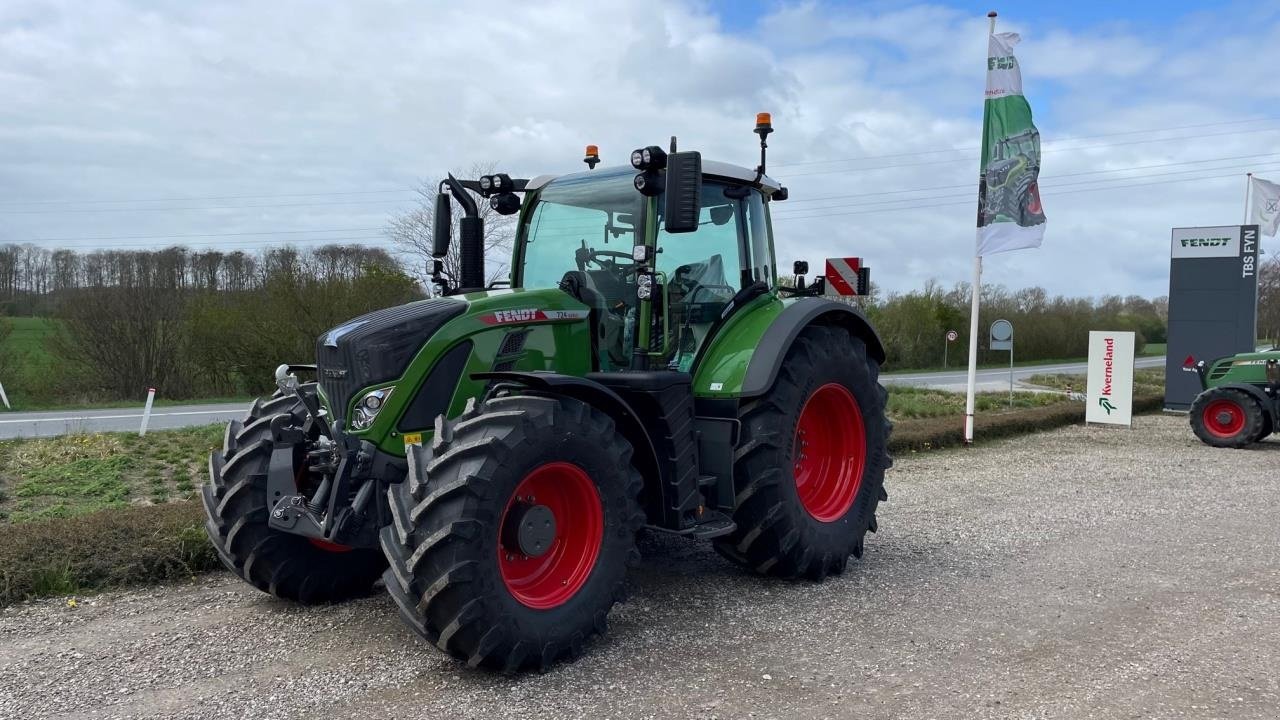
(131, 544)
(72, 475)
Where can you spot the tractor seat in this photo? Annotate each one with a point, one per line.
(606, 326)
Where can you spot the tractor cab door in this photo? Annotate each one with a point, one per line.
(730, 250)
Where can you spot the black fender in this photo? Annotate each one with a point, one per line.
(597, 395)
(766, 361)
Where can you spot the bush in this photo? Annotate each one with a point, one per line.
(939, 432)
(119, 546)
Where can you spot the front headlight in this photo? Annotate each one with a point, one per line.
(368, 407)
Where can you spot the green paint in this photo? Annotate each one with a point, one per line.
(723, 367)
(563, 346)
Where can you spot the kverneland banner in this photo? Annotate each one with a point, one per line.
(1109, 398)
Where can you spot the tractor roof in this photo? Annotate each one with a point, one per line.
(710, 168)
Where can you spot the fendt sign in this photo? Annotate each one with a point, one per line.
(1213, 303)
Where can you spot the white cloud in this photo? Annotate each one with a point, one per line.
(150, 100)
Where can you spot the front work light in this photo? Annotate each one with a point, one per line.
(649, 158)
(649, 183)
(368, 407)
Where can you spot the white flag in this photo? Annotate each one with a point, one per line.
(1266, 206)
(1010, 216)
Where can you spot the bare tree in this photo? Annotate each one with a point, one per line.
(411, 232)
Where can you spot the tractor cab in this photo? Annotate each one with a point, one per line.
(598, 239)
(659, 252)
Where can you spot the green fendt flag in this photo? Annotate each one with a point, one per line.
(1009, 213)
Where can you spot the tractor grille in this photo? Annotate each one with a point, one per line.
(377, 347)
(1220, 371)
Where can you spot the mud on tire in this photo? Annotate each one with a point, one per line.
(452, 571)
(236, 509)
(786, 530)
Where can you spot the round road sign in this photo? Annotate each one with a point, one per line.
(1001, 330)
(952, 335)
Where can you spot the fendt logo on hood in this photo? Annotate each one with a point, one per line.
(531, 315)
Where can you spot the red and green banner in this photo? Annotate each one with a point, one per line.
(1010, 216)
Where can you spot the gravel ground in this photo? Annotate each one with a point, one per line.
(1082, 573)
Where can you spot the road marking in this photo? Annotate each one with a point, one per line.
(114, 417)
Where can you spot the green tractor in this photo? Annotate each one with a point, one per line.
(491, 453)
(1240, 403)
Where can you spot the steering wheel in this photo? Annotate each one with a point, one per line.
(585, 255)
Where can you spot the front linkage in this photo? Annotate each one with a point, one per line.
(339, 508)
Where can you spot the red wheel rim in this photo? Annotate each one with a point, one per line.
(1223, 418)
(327, 546)
(554, 577)
(829, 452)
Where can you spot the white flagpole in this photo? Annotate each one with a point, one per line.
(973, 309)
(1248, 188)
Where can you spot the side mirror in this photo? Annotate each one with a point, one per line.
(441, 226)
(684, 191)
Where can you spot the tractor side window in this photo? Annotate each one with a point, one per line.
(704, 269)
(761, 266)
(556, 233)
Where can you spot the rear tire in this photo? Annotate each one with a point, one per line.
(236, 507)
(809, 468)
(457, 572)
(1223, 417)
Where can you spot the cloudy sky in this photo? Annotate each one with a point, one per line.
(251, 124)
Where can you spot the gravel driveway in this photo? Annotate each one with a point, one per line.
(1086, 572)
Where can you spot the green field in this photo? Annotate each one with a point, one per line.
(76, 474)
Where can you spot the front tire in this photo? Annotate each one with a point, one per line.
(1223, 417)
(236, 506)
(511, 535)
(809, 468)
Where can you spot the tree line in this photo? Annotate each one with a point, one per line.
(189, 323)
(914, 325)
(209, 323)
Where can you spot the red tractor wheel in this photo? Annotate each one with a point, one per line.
(811, 460)
(1225, 417)
(831, 451)
(511, 536)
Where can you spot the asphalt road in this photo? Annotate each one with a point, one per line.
(63, 422)
(998, 379)
(1084, 573)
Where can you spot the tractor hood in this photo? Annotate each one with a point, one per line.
(377, 347)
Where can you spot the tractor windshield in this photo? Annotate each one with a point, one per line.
(583, 222)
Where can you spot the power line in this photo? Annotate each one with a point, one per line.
(209, 207)
(972, 201)
(1053, 186)
(971, 148)
(207, 197)
(213, 244)
(1045, 177)
(1048, 150)
(199, 235)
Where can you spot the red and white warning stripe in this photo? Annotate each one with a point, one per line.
(842, 275)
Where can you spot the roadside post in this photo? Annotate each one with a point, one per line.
(1109, 393)
(1002, 339)
(952, 335)
(5, 397)
(146, 411)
